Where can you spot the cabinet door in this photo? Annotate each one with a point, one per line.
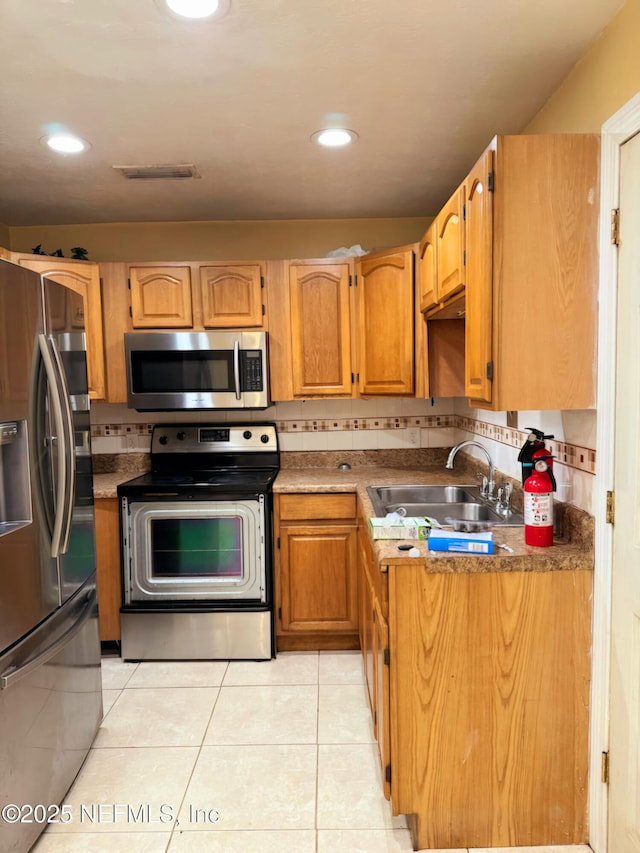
(318, 578)
(161, 297)
(82, 277)
(450, 247)
(479, 280)
(365, 616)
(108, 568)
(320, 329)
(231, 296)
(385, 324)
(427, 271)
(381, 674)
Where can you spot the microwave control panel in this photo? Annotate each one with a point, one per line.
(251, 370)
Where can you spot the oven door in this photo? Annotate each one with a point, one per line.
(182, 551)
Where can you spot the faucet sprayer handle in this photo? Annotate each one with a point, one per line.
(484, 488)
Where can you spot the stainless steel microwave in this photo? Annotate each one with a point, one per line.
(196, 370)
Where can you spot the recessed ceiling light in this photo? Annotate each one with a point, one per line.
(197, 9)
(334, 137)
(66, 143)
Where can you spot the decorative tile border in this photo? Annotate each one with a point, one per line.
(331, 424)
(109, 430)
(575, 456)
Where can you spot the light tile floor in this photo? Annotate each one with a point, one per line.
(238, 757)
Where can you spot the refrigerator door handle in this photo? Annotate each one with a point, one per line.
(61, 417)
(16, 673)
(69, 447)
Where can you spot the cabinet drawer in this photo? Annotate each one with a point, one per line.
(320, 506)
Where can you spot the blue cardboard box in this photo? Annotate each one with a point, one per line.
(462, 543)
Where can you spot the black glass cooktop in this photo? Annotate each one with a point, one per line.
(237, 481)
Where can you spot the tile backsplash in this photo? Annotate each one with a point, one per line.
(385, 424)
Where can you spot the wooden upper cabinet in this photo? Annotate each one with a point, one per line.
(161, 297)
(427, 270)
(478, 193)
(231, 295)
(385, 326)
(83, 277)
(450, 247)
(532, 273)
(320, 328)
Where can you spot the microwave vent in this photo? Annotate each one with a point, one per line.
(170, 172)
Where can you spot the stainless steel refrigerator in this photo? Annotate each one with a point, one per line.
(50, 679)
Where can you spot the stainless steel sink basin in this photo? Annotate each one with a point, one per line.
(424, 494)
(461, 503)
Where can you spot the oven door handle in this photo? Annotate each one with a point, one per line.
(236, 368)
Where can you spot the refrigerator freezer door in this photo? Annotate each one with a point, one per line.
(50, 708)
(29, 588)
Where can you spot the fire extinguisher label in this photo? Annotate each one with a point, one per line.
(538, 509)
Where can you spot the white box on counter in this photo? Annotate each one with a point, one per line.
(408, 527)
(462, 543)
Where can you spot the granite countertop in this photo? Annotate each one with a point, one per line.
(572, 552)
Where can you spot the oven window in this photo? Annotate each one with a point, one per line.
(157, 371)
(197, 547)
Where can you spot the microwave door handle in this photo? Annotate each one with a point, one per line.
(236, 368)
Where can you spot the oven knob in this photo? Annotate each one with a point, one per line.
(264, 438)
(181, 436)
(163, 439)
(246, 434)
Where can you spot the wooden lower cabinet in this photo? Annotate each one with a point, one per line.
(316, 582)
(108, 559)
(482, 713)
(374, 643)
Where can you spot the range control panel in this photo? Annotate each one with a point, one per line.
(214, 438)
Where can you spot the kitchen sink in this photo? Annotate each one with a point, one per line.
(447, 504)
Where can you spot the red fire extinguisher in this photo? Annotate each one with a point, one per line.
(538, 503)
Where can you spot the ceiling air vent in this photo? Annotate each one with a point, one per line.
(171, 172)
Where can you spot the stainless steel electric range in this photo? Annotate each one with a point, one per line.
(197, 545)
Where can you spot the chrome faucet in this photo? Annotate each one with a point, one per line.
(488, 493)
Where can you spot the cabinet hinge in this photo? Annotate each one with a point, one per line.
(375, 718)
(261, 281)
(464, 212)
(350, 281)
(263, 311)
(387, 773)
(605, 768)
(387, 657)
(615, 226)
(280, 613)
(610, 516)
(464, 258)
(129, 283)
(353, 378)
(130, 311)
(490, 370)
(491, 181)
(278, 542)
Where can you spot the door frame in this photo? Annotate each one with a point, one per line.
(619, 128)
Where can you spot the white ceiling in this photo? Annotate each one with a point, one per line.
(425, 84)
